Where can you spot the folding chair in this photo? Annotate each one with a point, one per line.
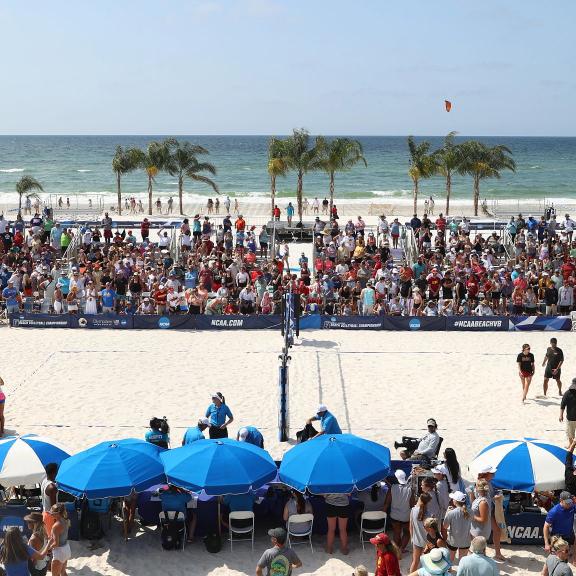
(377, 521)
(171, 517)
(300, 519)
(241, 529)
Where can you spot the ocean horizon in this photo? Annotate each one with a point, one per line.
(69, 165)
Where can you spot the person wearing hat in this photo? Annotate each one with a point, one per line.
(251, 435)
(219, 415)
(12, 298)
(280, 559)
(195, 433)
(560, 521)
(436, 563)
(568, 403)
(387, 556)
(457, 524)
(37, 541)
(328, 422)
(424, 448)
(399, 499)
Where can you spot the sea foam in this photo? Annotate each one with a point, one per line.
(11, 170)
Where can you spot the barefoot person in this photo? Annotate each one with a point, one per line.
(61, 552)
(554, 359)
(525, 361)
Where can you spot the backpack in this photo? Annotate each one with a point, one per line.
(90, 523)
(171, 535)
(306, 433)
(213, 543)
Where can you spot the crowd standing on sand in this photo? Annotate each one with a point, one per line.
(231, 268)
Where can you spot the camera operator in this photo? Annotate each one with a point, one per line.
(158, 433)
(424, 448)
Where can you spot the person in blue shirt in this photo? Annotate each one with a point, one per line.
(174, 499)
(10, 295)
(15, 553)
(158, 433)
(328, 422)
(290, 213)
(217, 413)
(560, 521)
(195, 433)
(108, 297)
(252, 435)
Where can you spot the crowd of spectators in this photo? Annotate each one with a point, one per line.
(230, 268)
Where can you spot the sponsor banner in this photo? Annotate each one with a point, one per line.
(204, 322)
(526, 528)
(167, 322)
(350, 322)
(533, 323)
(25, 320)
(122, 322)
(414, 323)
(477, 323)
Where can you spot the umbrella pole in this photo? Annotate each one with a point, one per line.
(219, 522)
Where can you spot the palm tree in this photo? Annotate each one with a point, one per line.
(301, 158)
(422, 165)
(27, 186)
(481, 161)
(448, 161)
(277, 164)
(124, 161)
(152, 161)
(182, 163)
(339, 155)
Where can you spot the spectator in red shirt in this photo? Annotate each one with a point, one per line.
(145, 229)
(387, 555)
(240, 224)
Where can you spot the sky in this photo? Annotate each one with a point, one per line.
(361, 67)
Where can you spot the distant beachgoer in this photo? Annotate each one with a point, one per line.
(67, 202)
(553, 359)
(316, 206)
(227, 204)
(159, 206)
(217, 205)
(525, 361)
(290, 213)
(140, 206)
(210, 205)
(170, 205)
(325, 206)
(305, 206)
(220, 416)
(60, 203)
(236, 206)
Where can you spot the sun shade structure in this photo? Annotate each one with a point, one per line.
(338, 464)
(524, 465)
(112, 469)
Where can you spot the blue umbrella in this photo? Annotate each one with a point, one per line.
(111, 469)
(219, 467)
(22, 458)
(335, 464)
(525, 465)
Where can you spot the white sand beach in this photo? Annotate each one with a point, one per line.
(82, 387)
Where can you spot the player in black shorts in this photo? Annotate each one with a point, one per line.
(554, 359)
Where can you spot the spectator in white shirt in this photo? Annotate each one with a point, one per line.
(483, 309)
(565, 298)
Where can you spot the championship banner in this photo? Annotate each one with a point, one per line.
(414, 323)
(168, 322)
(204, 322)
(526, 528)
(477, 323)
(27, 320)
(540, 323)
(350, 322)
(101, 321)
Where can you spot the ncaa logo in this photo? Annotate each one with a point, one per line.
(164, 322)
(414, 324)
(333, 319)
(82, 322)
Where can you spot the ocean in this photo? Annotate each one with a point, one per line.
(69, 165)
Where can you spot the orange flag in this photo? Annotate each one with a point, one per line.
(448, 105)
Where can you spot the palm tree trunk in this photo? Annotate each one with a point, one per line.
(272, 193)
(119, 191)
(299, 194)
(180, 193)
(476, 194)
(448, 191)
(150, 195)
(331, 192)
(415, 196)
(19, 203)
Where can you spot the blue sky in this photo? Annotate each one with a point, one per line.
(266, 66)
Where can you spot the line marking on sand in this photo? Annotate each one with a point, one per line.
(319, 377)
(34, 372)
(344, 397)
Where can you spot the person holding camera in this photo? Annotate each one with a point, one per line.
(424, 448)
(159, 432)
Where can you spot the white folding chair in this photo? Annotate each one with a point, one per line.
(173, 516)
(241, 529)
(377, 521)
(300, 519)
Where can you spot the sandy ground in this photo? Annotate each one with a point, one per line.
(82, 387)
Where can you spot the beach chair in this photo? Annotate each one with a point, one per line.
(300, 519)
(172, 530)
(241, 527)
(377, 522)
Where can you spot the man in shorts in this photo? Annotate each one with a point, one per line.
(279, 560)
(554, 359)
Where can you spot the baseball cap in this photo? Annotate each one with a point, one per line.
(431, 422)
(400, 476)
(565, 496)
(440, 469)
(279, 533)
(457, 496)
(381, 538)
(487, 469)
(242, 434)
(204, 421)
(360, 570)
(322, 408)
